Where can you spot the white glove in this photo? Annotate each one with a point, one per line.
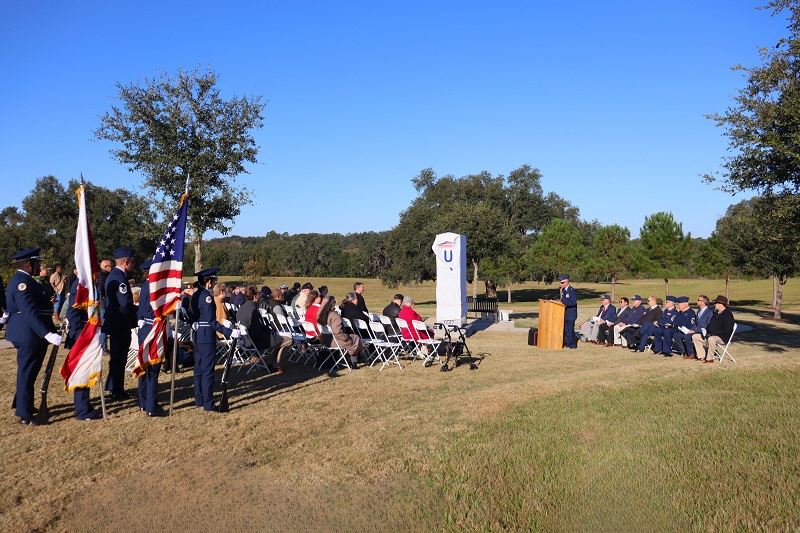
(195, 326)
(53, 338)
(140, 324)
(235, 334)
(4, 318)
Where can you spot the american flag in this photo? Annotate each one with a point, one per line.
(165, 287)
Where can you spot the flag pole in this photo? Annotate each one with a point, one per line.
(175, 335)
(174, 357)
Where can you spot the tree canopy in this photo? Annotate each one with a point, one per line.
(171, 128)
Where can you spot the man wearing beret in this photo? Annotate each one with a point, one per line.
(30, 329)
(204, 312)
(570, 300)
(119, 319)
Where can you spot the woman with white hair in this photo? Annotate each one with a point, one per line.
(408, 314)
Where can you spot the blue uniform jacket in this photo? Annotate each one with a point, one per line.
(569, 297)
(686, 318)
(635, 315)
(611, 313)
(204, 312)
(120, 314)
(668, 317)
(29, 310)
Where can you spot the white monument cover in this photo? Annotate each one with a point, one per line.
(451, 279)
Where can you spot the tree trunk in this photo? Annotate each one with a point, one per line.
(775, 292)
(475, 279)
(613, 288)
(509, 291)
(779, 295)
(198, 259)
(666, 288)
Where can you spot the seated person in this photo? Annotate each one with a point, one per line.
(313, 302)
(662, 334)
(350, 310)
(328, 316)
(393, 311)
(408, 314)
(606, 312)
(606, 331)
(703, 317)
(651, 317)
(220, 293)
(263, 338)
(718, 332)
(630, 321)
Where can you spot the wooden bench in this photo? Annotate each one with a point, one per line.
(482, 307)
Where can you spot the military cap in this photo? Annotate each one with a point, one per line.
(147, 264)
(266, 292)
(27, 255)
(672, 299)
(683, 299)
(207, 273)
(606, 297)
(637, 297)
(123, 252)
(563, 277)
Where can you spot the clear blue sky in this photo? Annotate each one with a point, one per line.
(605, 98)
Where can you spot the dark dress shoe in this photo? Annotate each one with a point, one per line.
(708, 360)
(157, 413)
(667, 355)
(121, 396)
(96, 415)
(28, 421)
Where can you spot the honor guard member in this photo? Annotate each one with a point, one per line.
(119, 319)
(77, 317)
(148, 381)
(204, 312)
(686, 322)
(570, 299)
(30, 328)
(662, 337)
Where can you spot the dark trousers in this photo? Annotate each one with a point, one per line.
(605, 333)
(148, 388)
(570, 340)
(684, 340)
(120, 344)
(30, 357)
(83, 408)
(645, 331)
(204, 355)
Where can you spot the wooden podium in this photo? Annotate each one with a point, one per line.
(551, 325)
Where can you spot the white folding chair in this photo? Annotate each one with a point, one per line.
(339, 354)
(387, 349)
(248, 353)
(224, 344)
(348, 326)
(424, 338)
(298, 340)
(313, 342)
(724, 349)
(367, 339)
(406, 337)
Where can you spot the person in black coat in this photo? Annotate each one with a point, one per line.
(718, 332)
(393, 309)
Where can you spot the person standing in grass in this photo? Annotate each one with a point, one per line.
(570, 300)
